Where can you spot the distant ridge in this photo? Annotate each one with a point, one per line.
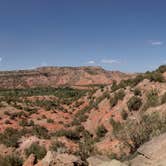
(56, 76)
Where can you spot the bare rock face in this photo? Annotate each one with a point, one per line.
(103, 161)
(29, 161)
(152, 153)
(54, 159)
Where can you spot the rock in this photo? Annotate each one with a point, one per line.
(54, 159)
(152, 153)
(103, 161)
(29, 161)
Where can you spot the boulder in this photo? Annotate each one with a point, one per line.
(29, 161)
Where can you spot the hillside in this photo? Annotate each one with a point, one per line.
(68, 126)
(58, 76)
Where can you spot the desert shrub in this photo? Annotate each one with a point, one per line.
(124, 114)
(161, 69)
(40, 131)
(31, 123)
(134, 133)
(11, 160)
(71, 134)
(50, 121)
(155, 76)
(79, 128)
(37, 150)
(23, 123)
(120, 94)
(101, 131)
(137, 92)
(131, 82)
(58, 146)
(86, 146)
(114, 86)
(30, 110)
(117, 96)
(10, 137)
(134, 103)
(163, 98)
(113, 101)
(17, 114)
(78, 103)
(75, 121)
(7, 121)
(152, 99)
(115, 125)
(7, 113)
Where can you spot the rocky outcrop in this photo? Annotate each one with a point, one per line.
(54, 159)
(29, 161)
(152, 153)
(103, 161)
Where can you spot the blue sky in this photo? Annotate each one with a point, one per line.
(126, 35)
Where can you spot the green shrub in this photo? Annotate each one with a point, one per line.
(152, 99)
(124, 114)
(113, 101)
(117, 96)
(50, 121)
(137, 92)
(115, 125)
(163, 98)
(135, 133)
(114, 86)
(31, 123)
(58, 146)
(120, 94)
(40, 131)
(86, 146)
(10, 137)
(70, 134)
(37, 150)
(23, 122)
(11, 160)
(161, 69)
(101, 131)
(155, 76)
(134, 103)
(7, 122)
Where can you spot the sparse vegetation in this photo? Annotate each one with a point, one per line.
(50, 121)
(140, 132)
(10, 137)
(40, 131)
(11, 160)
(58, 146)
(37, 150)
(152, 99)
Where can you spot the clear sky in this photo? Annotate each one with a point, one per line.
(126, 35)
